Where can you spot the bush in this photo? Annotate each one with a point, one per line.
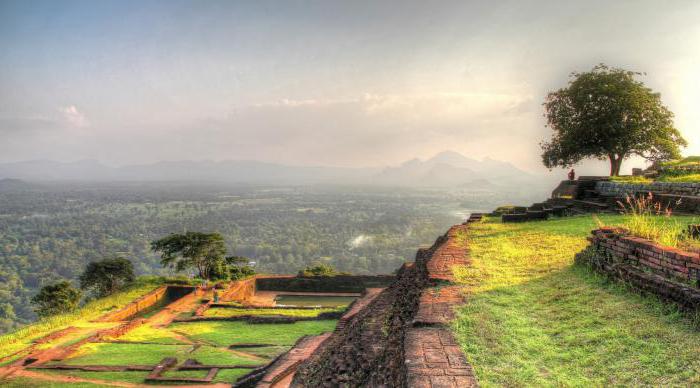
(647, 219)
(56, 298)
(320, 269)
(242, 272)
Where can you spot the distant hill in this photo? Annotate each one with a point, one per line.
(10, 184)
(452, 169)
(446, 169)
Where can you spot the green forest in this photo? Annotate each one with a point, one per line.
(49, 232)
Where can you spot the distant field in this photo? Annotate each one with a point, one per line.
(535, 319)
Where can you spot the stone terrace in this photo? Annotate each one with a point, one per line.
(432, 356)
(401, 337)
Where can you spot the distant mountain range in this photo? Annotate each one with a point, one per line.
(446, 169)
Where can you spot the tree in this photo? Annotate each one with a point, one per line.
(201, 251)
(56, 298)
(239, 267)
(319, 269)
(107, 276)
(607, 114)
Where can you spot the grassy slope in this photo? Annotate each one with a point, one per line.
(12, 342)
(534, 319)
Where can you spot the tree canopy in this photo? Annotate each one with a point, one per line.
(319, 269)
(201, 251)
(56, 298)
(607, 113)
(107, 276)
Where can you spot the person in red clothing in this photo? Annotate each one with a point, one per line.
(572, 174)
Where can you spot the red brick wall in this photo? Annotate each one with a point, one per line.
(240, 290)
(647, 255)
(134, 307)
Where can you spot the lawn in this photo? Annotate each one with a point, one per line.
(228, 333)
(150, 354)
(223, 376)
(229, 312)
(535, 319)
(314, 301)
(24, 382)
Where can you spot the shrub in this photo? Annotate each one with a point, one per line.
(241, 272)
(56, 298)
(647, 219)
(319, 269)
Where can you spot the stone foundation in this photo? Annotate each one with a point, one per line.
(146, 301)
(334, 284)
(400, 338)
(669, 273)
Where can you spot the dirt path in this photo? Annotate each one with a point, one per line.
(168, 313)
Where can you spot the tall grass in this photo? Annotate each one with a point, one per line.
(648, 219)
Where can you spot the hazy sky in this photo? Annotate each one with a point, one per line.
(347, 83)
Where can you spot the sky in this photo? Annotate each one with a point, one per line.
(351, 83)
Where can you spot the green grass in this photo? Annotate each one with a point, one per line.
(150, 354)
(630, 179)
(229, 312)
(135, 377)
(687, 178)
(312, 301)
(147, 333)
(101, 353)
(223, 376)
(535, 319)
(21, 338)
(23, 382)
(230, 375)
(266, 351)
(227, 333)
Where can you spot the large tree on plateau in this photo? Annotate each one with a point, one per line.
(201, 251)
(607, 114)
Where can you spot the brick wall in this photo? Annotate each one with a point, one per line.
(620, 189)
(134, 307)
(240, 290)
(647, 255)
(339, 283)
(402, 337)
(671, 274)
(146, 301)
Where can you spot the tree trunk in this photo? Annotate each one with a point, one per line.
(615, 164)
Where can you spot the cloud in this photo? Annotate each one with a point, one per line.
(368, 129)
(74, 117)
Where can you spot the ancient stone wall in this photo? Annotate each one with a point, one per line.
(240, 290)
(621, 189)
(146, 301)
(339, 283)
(137, 305)
(400, 338)
(670, 273)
